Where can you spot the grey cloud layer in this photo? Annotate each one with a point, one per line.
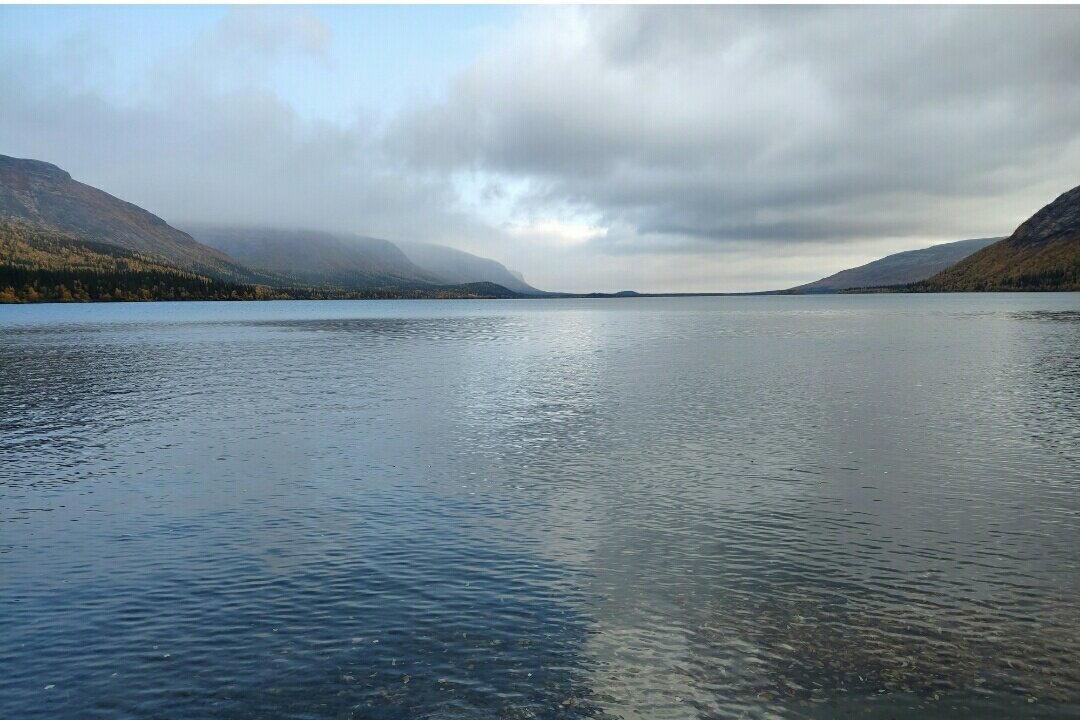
(202, 138)
(773, 124)
(702, 137)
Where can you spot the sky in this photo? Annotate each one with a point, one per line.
(678, 149)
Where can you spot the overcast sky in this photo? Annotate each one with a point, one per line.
(680, 149)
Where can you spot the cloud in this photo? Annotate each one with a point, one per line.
(561, 233)
(271, 31)
(600, 148)
(205, 138)
(772, 125)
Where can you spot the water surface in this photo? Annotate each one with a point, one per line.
(761, 507)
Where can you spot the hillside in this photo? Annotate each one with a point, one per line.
(318, 259)
(63, 240)
(1043, 254)
(40, 194)
(38, 265)
(45, 265)
(458, 267)
(36, 194)
(899, 269)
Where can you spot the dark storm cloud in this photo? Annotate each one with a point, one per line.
(772, 124)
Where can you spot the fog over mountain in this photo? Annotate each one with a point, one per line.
(317, 258)
(455, 267)
(591, 148)
(62, 240)
(352, 261)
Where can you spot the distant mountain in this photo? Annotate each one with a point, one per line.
(619, 294)
(42, 195)
(1043, 254)
(319, 259)
(457, 267)
(899, 269)
(481, 290)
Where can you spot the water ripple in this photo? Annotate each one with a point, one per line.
(670, 508)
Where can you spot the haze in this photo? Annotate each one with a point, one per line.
(599, 149)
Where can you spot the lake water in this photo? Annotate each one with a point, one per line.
(761, 507)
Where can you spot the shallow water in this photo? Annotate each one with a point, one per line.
(762, 507)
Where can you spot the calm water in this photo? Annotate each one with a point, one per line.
(765, 507)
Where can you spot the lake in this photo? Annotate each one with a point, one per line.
(760, 507)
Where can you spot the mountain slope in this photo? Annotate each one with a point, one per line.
(1043, 254)
(39, 265)
(459, 267)
(317, 258)
(43, 195)
(46, 265)
(899, 269)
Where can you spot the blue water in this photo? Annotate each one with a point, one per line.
(761, 507)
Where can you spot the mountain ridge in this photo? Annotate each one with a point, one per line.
(900, 268)
(324, 259)
(1042, 254)
(43, 265)
(457, 266)
(44, 195)
(38, 264)
(317, 258)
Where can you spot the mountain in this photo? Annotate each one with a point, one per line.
(40, 265)
(42, 195)
(61, 239)
(46, 265)
(899, 269)
(1043, 254)
(354, 261)
(457, 267)
(482, 289)
(319, 259)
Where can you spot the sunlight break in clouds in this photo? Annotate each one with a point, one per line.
(554, 231)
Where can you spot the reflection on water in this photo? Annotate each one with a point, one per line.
(672, 508)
